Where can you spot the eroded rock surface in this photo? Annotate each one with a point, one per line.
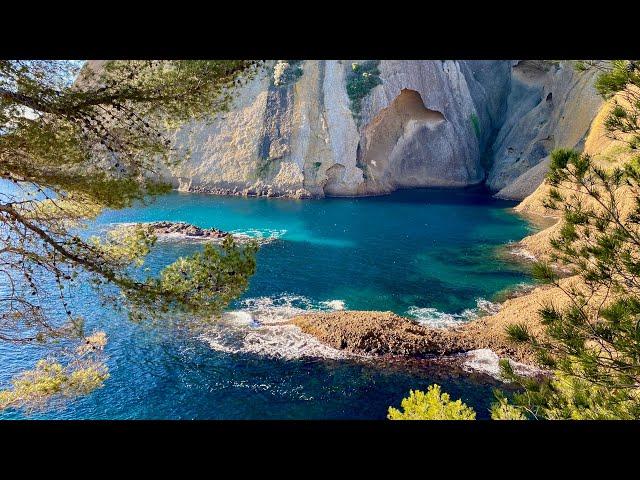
(293, 130)
(385, 333)
(187, 230)
(550, 105)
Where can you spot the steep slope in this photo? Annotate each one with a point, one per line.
(605, 152)
(348, 127)
(550, 105)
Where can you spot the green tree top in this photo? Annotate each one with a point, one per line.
(433, 405)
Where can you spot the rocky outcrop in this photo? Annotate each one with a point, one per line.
(385, 333)
(187, 230)
(293, 130)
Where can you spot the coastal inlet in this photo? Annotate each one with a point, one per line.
(429, 255)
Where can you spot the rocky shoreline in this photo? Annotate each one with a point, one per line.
(187, 231)
(257, 190)
(385, 333)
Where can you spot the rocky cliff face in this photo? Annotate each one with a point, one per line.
(327, 128)
(549, 106)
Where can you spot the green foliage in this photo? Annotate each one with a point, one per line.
(75, 140)
(51, 381)
(621, 74)
(202, 284)
(581, 66)
(262, 168)
(560, 159)
(432, 405)
(592, 345)
(475, 123)
(287, 72)
(620, 78)
(363, 78)
(571, 396)
(502, 410)
(598, 243)
(518, 332)
(435, 405)
(126, 245)
(543, 272)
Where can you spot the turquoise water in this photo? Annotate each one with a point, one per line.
(429, 254)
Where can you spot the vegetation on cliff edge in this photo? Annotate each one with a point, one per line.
(363, 78)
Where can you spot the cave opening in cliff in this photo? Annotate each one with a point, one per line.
(382, 134)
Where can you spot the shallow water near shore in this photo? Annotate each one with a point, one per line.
(427, 254)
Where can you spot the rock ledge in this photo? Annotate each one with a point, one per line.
(385, 333)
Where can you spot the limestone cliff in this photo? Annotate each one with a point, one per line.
(350, 127)
(607, 153)
(550, 105)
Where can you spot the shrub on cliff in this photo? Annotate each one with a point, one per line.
(286, 72)
(363, 78)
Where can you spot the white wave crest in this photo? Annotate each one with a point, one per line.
(433, 317)
(262, 327)
(487, 361)
(524, 253)
(334, 304)
(263, 235)
(487, 307)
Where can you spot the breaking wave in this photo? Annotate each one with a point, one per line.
(261, 326)
(486, 361)
(432, 317)
(521, 252)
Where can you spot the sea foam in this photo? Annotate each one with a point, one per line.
(261, 326)
(432, 317)
(262, 234)
(524, 253)
(487, 361)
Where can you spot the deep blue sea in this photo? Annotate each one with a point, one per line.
(432, 255)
